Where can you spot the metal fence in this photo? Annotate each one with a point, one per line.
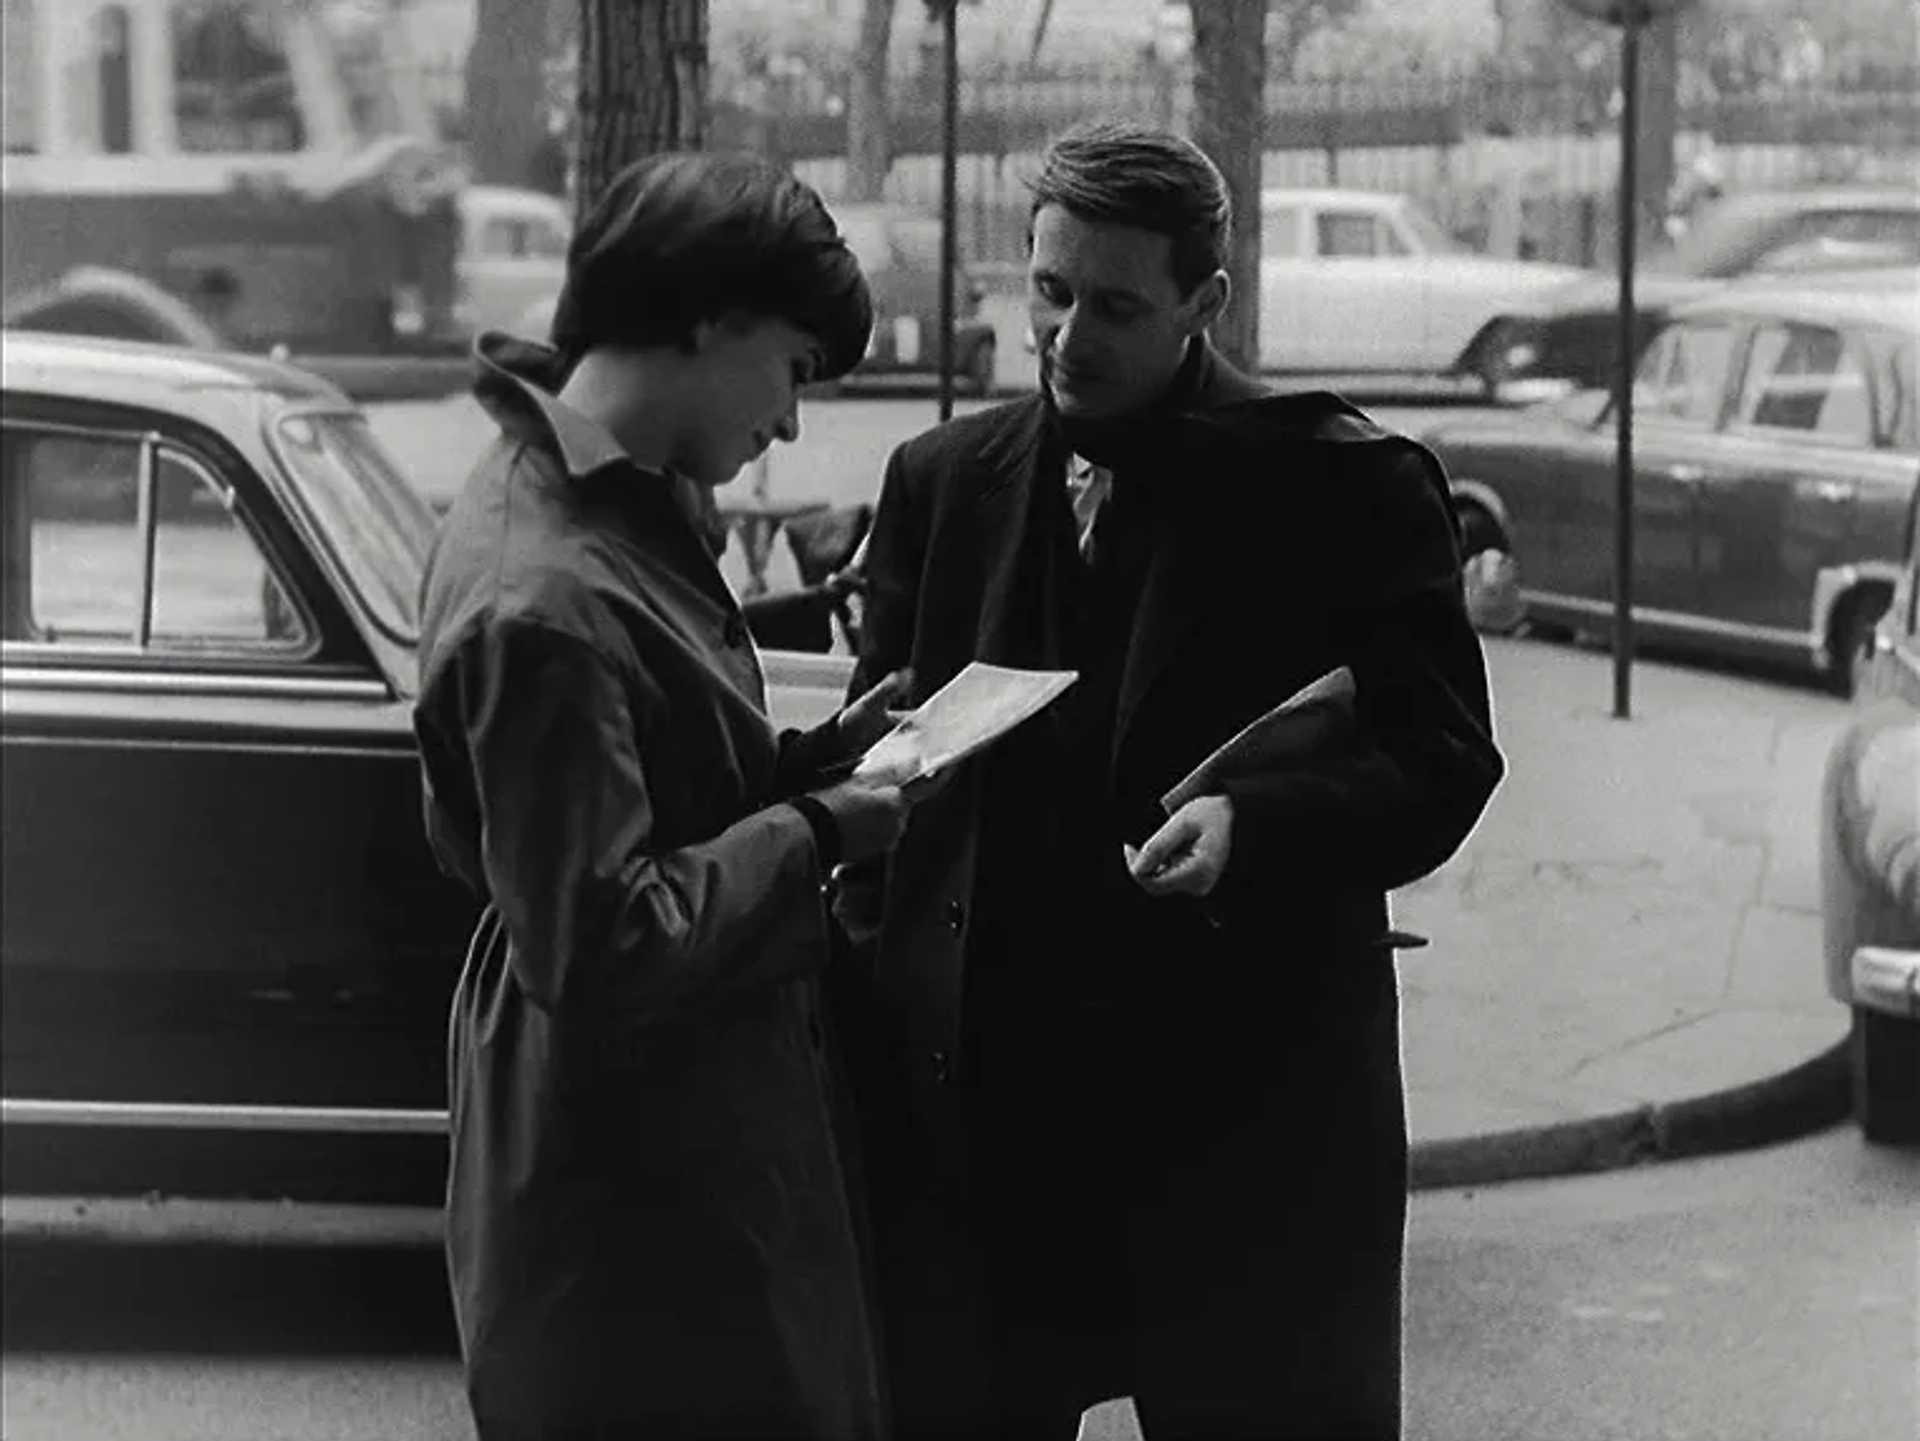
(1517, 165)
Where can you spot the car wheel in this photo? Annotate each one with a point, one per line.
(1489, 574)
(1850, 647)
(1886, 1077)
(981, 368)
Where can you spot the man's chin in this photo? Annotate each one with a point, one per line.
(1084, 404)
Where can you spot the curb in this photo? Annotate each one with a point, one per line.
(1811, 1097)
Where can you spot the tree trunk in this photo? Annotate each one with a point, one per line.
(505, 90)
(643, 86)
(869, 154)
(1229, 123)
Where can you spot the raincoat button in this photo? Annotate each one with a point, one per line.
(942, 1068)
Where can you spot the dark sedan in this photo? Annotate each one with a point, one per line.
(898, 247)
(1775, 455)
(1568, 336)
(227, 951)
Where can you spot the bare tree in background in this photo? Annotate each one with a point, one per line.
(506, 90)
(643, 90)
(869, 148)
(1229, 123)
(643, 86)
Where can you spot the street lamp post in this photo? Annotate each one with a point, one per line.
(1631, 16)
(946, 12)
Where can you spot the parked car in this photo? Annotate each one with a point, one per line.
(1356, 280)
(227, 951)
(1775, 457)
(1870, 869)
(513, 252)
(1569, 336)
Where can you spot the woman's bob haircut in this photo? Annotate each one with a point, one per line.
(682, 238)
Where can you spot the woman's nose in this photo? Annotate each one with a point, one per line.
(789, 427)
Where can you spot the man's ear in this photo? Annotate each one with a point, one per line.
(1208, 301)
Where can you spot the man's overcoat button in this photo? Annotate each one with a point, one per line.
(956, 917)
(942, 1067)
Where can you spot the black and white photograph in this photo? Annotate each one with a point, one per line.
(960, 720)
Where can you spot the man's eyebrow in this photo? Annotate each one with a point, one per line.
(1105, 292)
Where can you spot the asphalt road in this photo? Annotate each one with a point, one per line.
(1764, 1297)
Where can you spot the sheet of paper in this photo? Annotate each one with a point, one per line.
(974, 709)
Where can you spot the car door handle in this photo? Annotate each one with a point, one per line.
(1687, 474)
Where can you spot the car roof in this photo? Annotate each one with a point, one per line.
(165, 377)
(1839, 298)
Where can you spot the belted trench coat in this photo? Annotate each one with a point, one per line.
(648, 1231)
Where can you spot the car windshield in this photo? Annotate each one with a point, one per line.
(1434, 237)
(376, 525)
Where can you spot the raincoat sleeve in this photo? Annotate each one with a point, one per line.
(604, 918)
(1397, 801)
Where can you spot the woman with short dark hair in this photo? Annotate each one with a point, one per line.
(648, 1229)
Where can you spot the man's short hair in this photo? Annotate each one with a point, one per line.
(1130, 174)
(682, 238)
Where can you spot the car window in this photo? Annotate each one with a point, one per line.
(546, 240)
(1809, 380)
(209, 586)
(376, 525)
(1684, 375)
(500, 237)
(1280, 232)
(100, 82)
(234, 85)
(1900, 392)
(1348, 233)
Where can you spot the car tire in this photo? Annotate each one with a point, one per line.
(1850, 646)
(1886, 1077)
(1489, 573)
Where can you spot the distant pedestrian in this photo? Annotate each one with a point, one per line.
(1135, 1120)
(648, 1230)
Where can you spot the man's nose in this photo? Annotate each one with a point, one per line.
(1066, 326)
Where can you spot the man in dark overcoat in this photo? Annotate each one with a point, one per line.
(1134, 1121)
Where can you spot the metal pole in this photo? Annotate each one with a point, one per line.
(1623, 378)
(949, 200)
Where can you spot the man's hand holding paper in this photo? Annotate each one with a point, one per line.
(1188, 855)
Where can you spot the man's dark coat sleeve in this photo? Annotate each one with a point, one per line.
(1397, 801)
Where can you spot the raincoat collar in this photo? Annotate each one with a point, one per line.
(519, 382)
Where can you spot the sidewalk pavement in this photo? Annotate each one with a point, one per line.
(1625, 960)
